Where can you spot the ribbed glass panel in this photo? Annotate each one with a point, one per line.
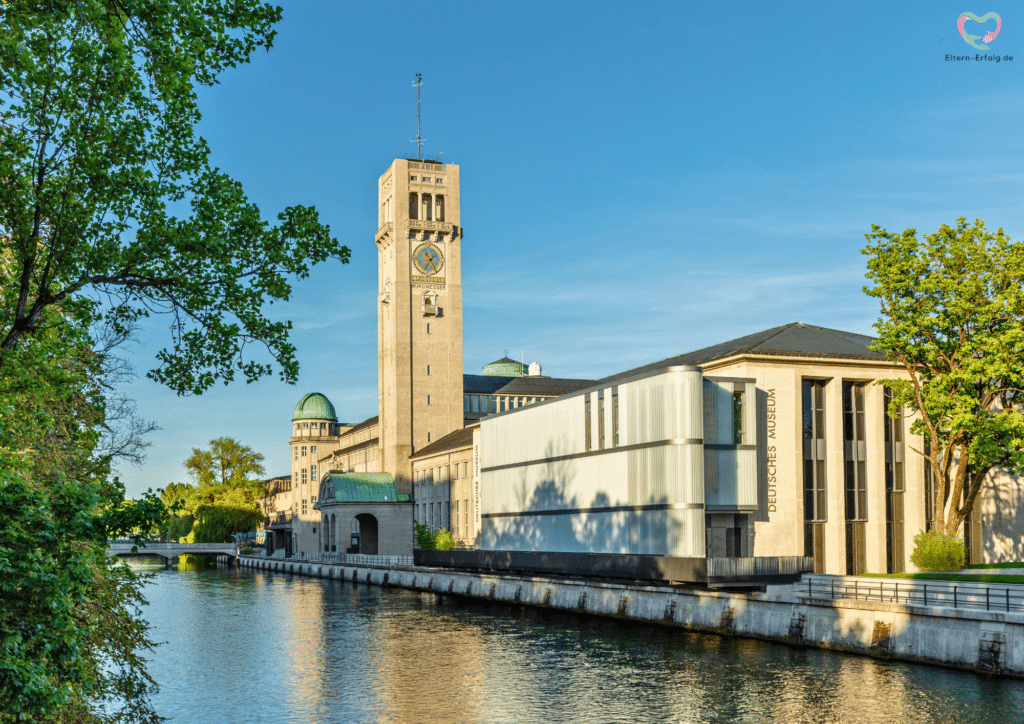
(693, 405)
(746, 475)
(720, 484)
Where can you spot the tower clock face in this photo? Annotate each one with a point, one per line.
(427, 259)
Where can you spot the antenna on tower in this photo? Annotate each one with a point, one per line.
(419, 138)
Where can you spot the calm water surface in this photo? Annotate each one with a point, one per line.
(245, 646)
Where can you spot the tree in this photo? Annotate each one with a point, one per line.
(109, 212)
(97, 154)
(224, 498)
(952, 309)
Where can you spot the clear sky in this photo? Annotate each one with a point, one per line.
(638, 179)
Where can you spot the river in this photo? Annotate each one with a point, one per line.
(248, 646)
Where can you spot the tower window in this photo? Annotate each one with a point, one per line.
(428, 399)
(428, 370)
(413, 178)
(428, 327)
(439, 180)
(426, 179)
(428, 437)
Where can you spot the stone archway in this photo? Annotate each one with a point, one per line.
(367, 534)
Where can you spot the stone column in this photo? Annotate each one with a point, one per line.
(874, 431)
(835, 529)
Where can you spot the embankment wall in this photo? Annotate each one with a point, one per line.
(988, 642)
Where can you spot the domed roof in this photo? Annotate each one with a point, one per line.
(505, 367)
(315, 406)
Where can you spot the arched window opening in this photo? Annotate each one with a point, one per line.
(334, 534)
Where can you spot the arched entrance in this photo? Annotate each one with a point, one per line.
(367, 534)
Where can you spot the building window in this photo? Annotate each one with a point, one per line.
(492, 404)
(600, 423)
(448, 472)
(312, 500)
(428, 370)
(465, 470)
(476, 403)
(303, 506)
(466, 403)
(895, 486)
(465, 517)
(304, 476)
(428, 399)
(815, 503)
(428, 437)
(428, 327)
(312, 473)
(737, 417)
(303, 451)
(439, 180)
(586, 424)
(855, 477)
(414, 178)
(296, 452)
(458, 520)
(431, 519)
(615, 419)
(426, 179)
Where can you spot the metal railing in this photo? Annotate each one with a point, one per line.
(739, 568)
(152, 546)
(944, 594)
(354, 559)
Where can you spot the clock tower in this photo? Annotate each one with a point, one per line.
(419, 311)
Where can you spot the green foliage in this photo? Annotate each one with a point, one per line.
(952, 307)
(224, 498)
(109, 212)
(934, 551)
(426, 540)
(106, 192)
(443, 540)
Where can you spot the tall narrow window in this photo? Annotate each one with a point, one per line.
(492, 404)
(465, 403)
(929, 487)
(304, 476)
(737, 417)
(600, 423)
(895, 486)
(815, 511)
(615, 420)
(586, 424)
(312, 473)
(458, 520)
(303, 451)
(413, 206)
(855, 477)
(428, 327)
(428, 399)
(428, 370)
(465, 517)
(440, 206)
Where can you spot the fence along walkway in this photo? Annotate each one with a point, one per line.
(1006, 597)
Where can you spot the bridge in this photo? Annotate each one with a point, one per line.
(168, 551)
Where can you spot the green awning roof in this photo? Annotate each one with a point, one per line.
(365, 488)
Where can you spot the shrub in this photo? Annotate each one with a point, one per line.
(424, 538)
(934, 551)
(443, 540)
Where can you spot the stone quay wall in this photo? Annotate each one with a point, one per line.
(988, 642)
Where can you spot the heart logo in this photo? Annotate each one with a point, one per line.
(971, 39)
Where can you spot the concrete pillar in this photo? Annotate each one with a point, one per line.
(913, 499)
(835, 529)
(874, 431)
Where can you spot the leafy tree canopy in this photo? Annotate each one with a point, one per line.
(224, 498)
(108, 203)
(952, 307)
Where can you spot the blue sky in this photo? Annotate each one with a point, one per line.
(638, 179)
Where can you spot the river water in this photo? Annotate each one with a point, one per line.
(247, 646)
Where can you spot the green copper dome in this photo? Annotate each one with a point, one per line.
(315, 406)
(505, 367)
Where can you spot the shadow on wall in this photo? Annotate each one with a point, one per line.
(579, 529)
(1002, 516)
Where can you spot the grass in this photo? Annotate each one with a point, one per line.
(998, 565)
(970, 577)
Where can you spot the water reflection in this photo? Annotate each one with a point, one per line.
(259, 647)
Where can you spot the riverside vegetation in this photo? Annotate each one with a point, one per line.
(97, 144)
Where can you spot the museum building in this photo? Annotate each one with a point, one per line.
(773, 444)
